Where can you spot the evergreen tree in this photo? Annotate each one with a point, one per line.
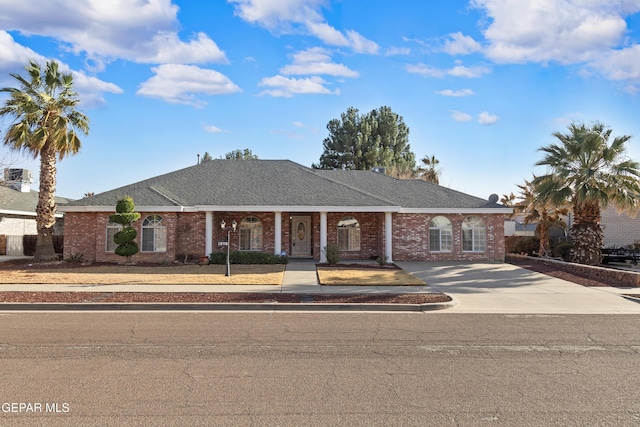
(377, 139)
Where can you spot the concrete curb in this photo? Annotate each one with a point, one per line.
(274, 306)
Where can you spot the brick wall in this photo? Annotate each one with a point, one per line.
(411, 239)
(85, 233)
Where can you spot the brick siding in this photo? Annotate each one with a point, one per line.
(85, 233)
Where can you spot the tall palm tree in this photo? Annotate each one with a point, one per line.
(588, 172)
(45, 124)
(541, 212)
(429, 171)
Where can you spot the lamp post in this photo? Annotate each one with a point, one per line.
(223, 226)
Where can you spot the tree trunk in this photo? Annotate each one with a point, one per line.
(46, 209)
(544, 250)
(586, 234)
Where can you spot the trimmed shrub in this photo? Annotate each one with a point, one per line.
(562, 251)
(530, 246)
(124, 216)
(332, 253)
(238, 257)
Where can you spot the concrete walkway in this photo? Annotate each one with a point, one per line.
(505, 288)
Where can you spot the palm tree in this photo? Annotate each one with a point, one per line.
(588, 173)
(429, 171)
(45, 121)
(541, 212)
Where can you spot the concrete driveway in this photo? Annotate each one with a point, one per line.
(505, 288)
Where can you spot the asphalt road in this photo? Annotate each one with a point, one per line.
(319, 369)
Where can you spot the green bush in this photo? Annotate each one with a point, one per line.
(127, 249)
(125, 205)
(332, 253)
(563, 250)
(530, 245)
(241, 257)
(127, 234)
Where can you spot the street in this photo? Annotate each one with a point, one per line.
(319, 369)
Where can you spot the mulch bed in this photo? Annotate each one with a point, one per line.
(237, 297)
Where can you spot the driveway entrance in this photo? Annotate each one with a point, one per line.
(506, 288)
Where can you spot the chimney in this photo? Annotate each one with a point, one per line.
(18, 179)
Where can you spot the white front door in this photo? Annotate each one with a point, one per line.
(301, 236)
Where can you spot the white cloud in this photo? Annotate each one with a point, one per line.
(91, 89)
(485, 118)
(455, 93)
(550, 30)
(456, 71)
(393, 51)
(139, 31)
(316, 60)
(623, 64)
(213, 129)
(459, 44)
(298, 124)
(287, 87)
(460, 117)
(14, 56)
(177, 83)
(300, 16)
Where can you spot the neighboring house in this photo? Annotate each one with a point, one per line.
(281, 206)
(619, 229)
(18, 210)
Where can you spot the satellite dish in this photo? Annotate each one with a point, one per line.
(494, 198)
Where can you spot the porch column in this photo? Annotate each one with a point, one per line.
(388, 236)
(323, 236)
(277, 231)
(208, 233)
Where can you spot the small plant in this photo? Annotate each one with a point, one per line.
(332, 253)
(381, 260)
(75, 257)
(563, 250)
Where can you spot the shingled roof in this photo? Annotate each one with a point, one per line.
(254, 184)
(15, 202)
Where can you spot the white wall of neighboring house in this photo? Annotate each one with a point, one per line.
(619, 229)
(17, 226)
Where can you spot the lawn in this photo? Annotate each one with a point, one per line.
(354, 276)
(134, 274)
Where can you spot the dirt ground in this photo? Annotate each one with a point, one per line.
(358, 276)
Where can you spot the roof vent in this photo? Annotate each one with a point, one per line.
(18, 179)
(380, 169)
(494, 198)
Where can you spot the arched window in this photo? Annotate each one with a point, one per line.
(251, 234)
(154, 234)
(112, 229)
(474, 236)
(440, 235)
(348, 234)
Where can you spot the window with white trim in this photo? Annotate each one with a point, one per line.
(112, 229)
(348, 234)
(474, 235)
(154, 234)
(250, 234)
(440, 234)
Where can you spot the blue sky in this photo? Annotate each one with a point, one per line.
(482, 84)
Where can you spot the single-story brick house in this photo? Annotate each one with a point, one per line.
(281, 206)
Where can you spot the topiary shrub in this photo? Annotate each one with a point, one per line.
(124, 238)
